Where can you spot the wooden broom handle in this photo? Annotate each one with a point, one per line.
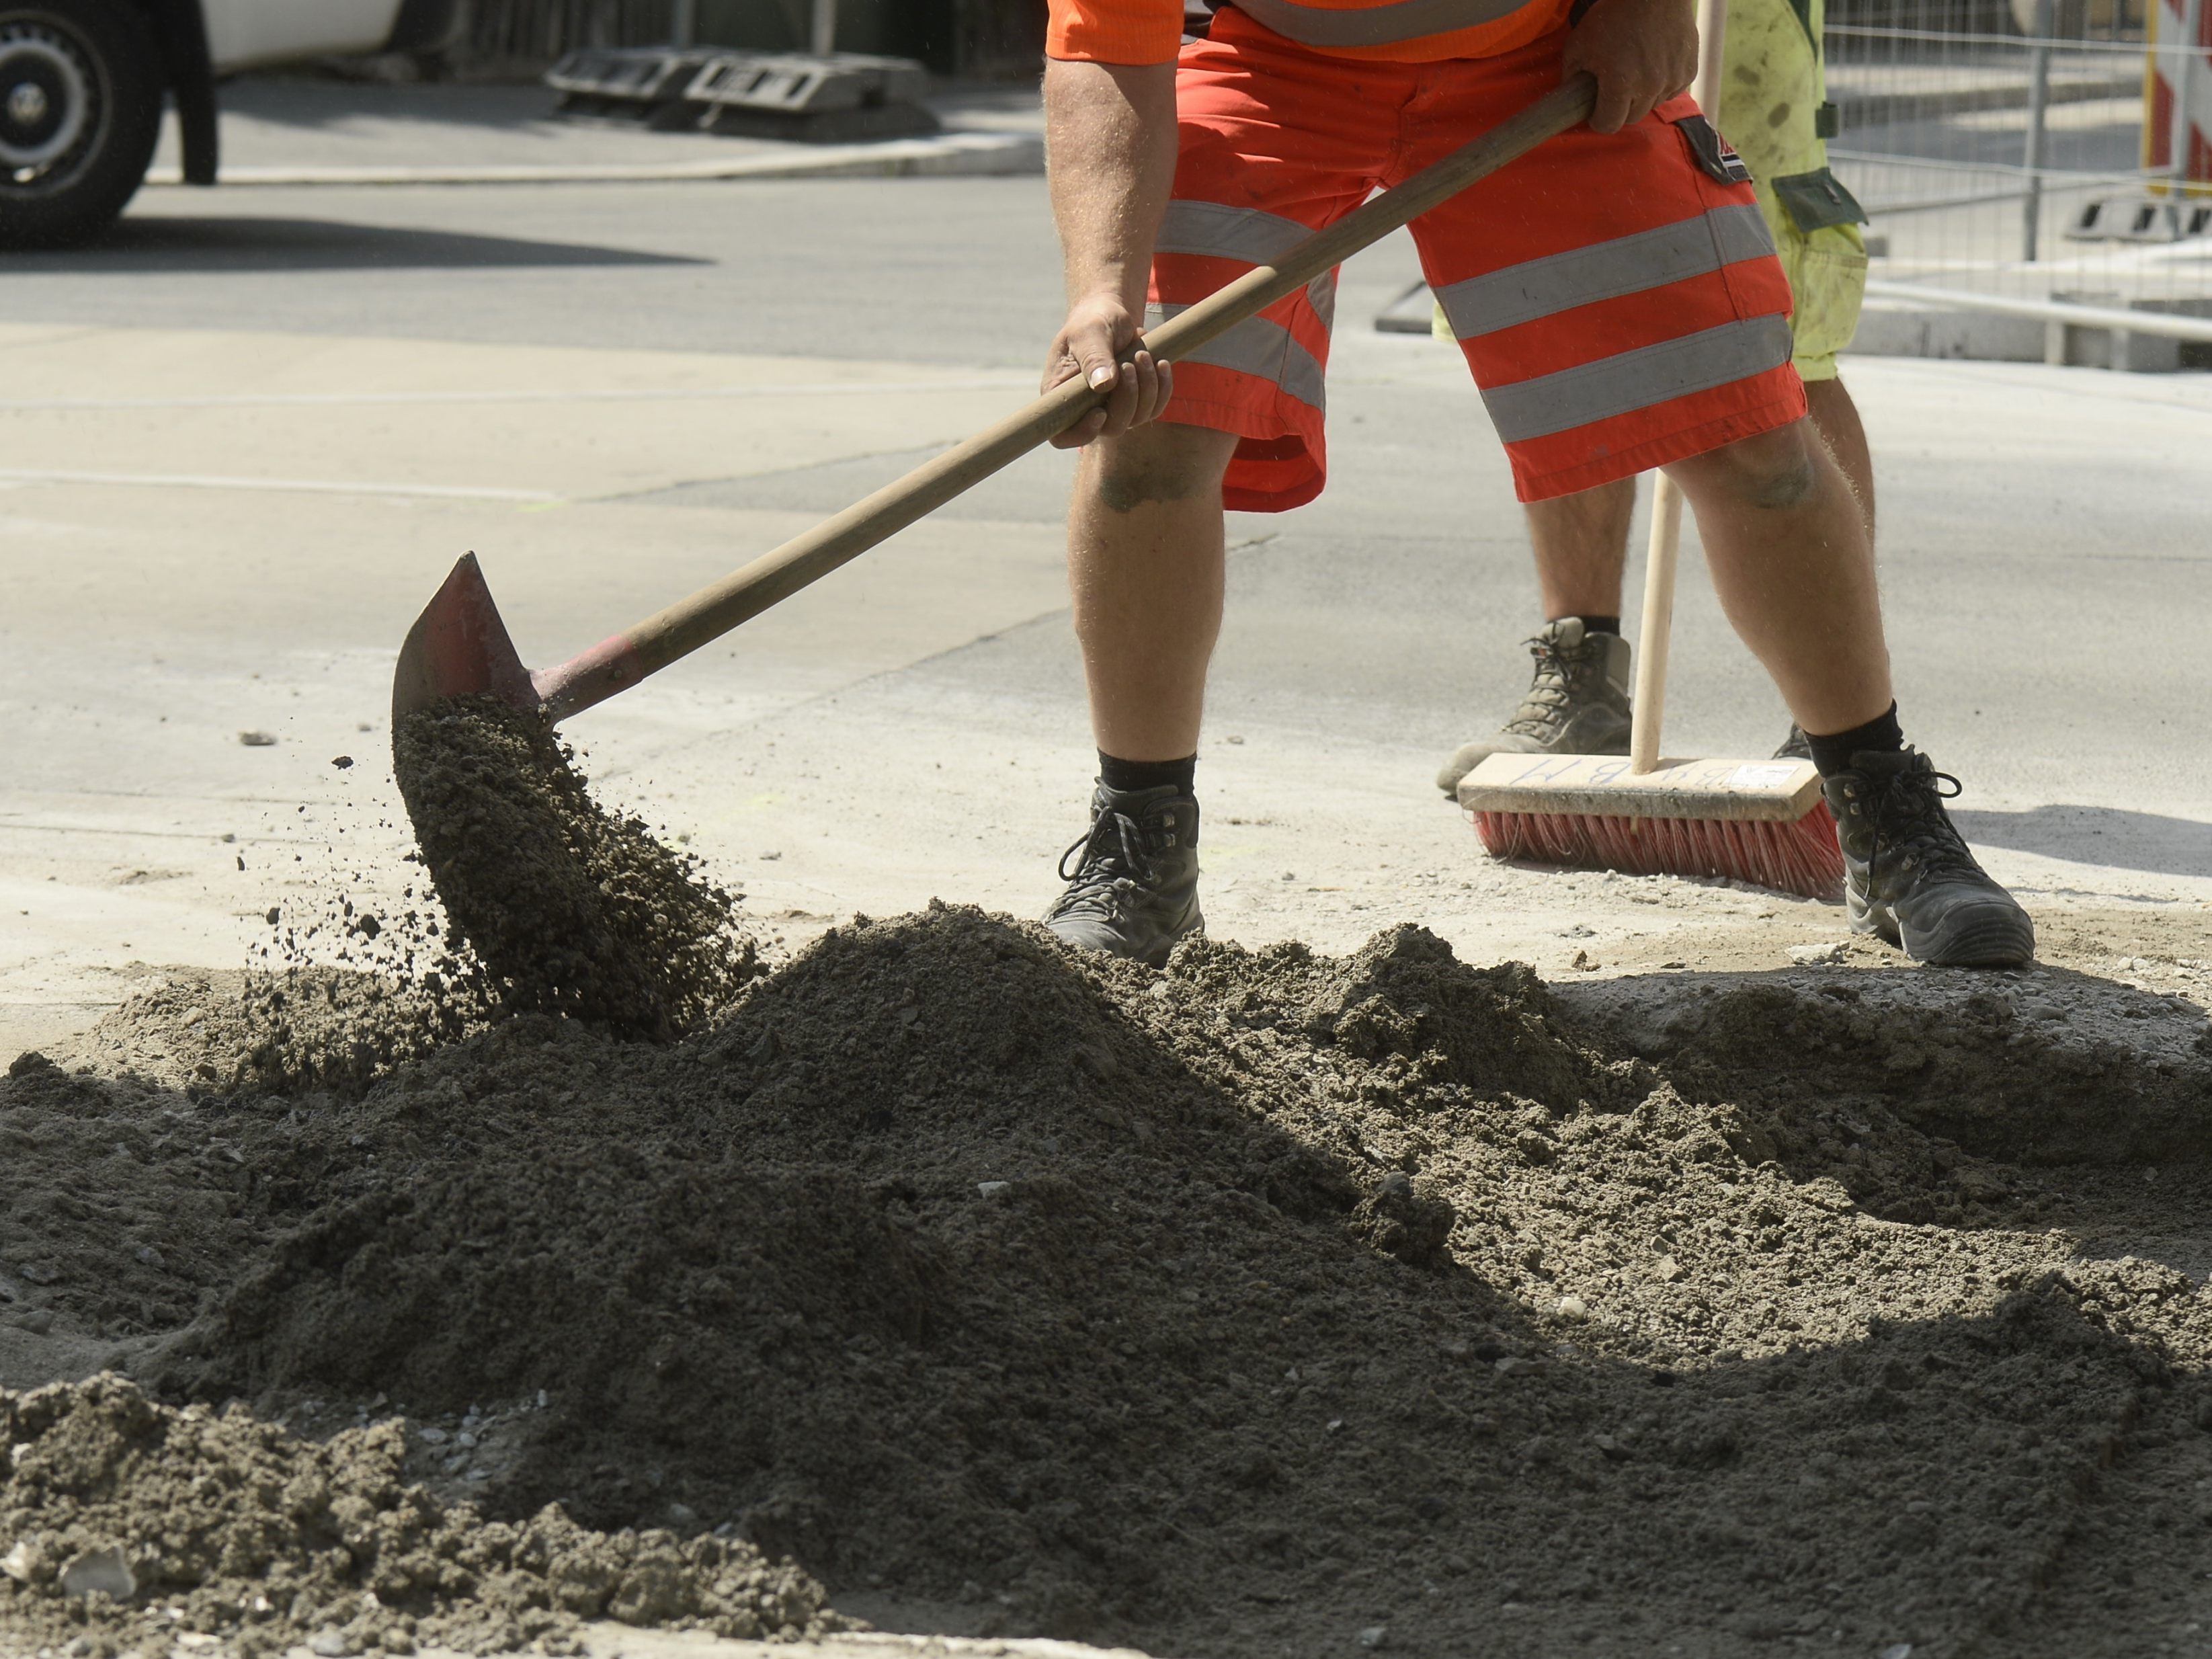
(617, 662)
(1650, 710)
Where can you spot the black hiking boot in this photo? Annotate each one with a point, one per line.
(1578, 704)
(1909, 876)
(1796, 745)
(1133, 891)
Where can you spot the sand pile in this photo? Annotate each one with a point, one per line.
(130, 1524)
(1273, 1302)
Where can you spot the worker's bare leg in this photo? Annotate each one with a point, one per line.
(1838, 418)
(1792, 560)
(1144, 565)
(1788, 544)
(1581, 542)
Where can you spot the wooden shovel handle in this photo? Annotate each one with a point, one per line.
(706, 615)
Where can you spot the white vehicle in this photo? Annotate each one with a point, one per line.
(82, 85)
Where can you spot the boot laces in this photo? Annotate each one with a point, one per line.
(1114, 859)
(1910, 820)
(1544, 704)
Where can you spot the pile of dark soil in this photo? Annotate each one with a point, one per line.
(315, 1014)
(129, 1523)
(571, 909)
(1273, 1302)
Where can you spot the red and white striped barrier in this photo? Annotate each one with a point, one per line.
(2177, 96)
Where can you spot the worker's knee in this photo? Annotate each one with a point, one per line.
(1156, 464)
(1774, 471)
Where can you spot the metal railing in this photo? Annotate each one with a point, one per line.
(534, 31)
(987, 39)
(2003, 151)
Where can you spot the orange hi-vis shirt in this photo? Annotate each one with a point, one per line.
(1138, 31)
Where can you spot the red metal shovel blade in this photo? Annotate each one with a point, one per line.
(459, 648)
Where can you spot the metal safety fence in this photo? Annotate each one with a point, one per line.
(535, 31)
(2039, 153)
(972, 38)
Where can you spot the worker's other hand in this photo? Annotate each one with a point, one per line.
(1100, 343)
(1642, 54)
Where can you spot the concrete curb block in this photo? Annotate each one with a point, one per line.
(1903, 319)
(955, 154)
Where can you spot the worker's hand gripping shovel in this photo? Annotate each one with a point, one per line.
(459, 647)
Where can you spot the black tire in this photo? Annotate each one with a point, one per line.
(79, 109)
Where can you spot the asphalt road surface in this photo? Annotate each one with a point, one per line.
(242, 441)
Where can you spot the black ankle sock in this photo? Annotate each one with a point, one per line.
(1125, 777)
(1833, 754)
(1597, 624)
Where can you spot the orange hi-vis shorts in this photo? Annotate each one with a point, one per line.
(1621, 306)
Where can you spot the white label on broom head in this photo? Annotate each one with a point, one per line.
(1764, 776)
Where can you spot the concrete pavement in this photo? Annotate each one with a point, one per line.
(951, 271)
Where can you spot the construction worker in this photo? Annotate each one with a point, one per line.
(1774, 111)
(1626, 311)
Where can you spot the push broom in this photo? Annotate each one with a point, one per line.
(1760, 821)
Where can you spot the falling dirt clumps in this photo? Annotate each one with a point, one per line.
(125, 1523)
(1265, 1302)
(571, 909)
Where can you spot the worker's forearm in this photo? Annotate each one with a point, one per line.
(1110, 136)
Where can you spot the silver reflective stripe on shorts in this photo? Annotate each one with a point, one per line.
(1221, 232)
(1215, 230)
(1638, 380)
(1373, 26)
(1321, 294)
(1260, 347)
(1605, 270)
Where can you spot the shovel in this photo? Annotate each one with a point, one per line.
(459, 647)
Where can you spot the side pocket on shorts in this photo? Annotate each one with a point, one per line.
(1829, 279)
(1816, 200)
(1751, 283)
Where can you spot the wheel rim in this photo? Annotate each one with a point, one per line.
(51, 110)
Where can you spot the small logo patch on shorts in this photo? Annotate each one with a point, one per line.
(1714, 152)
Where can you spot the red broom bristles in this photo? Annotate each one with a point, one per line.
(1791, 858)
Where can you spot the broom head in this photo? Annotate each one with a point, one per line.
(1762, 822)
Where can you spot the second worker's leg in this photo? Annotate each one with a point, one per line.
(1581, 544)
(1577, 699)
(1144, 562)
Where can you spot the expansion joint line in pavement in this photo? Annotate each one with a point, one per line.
(293, 486)
(933, 447)
(988, 381)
